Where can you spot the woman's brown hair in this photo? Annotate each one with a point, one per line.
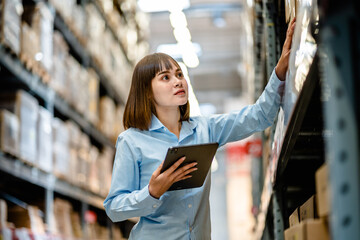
(140, 104)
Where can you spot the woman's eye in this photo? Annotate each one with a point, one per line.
(166, 77)
(180, 75)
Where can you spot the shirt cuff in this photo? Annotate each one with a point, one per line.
(147, 200)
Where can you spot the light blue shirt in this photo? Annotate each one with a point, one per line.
(181, 214)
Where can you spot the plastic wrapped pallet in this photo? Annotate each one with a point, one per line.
(26, 108)
(84, 161)
(81, 97)
(9, 132)
(93, 107)
(30, 45)
(45, 147)
(60, 148)
(74, 143)
(41, 19)
(105, 163)
(72, 88)
(10, 24)
(59, 68)
(65, 8)
(62, 213)
(107, 116)
(94, 185)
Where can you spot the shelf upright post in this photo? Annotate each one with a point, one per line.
(342, 145)
(270, 37)
(258, 50)
(277, 218)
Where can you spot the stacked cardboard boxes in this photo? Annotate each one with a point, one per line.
(10, 24)
(310, 220)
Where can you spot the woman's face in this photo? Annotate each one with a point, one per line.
(170, 89)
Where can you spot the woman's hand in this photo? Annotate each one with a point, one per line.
(161, 182)
(283, 62)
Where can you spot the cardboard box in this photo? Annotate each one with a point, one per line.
(308, 209)
(27, 218)
(294, 218)
(45, 145)
(10, 24)
(322, 191)
(310, 229)
(9, 132)
(62, 213)
(26, 108)
(60, 148)
(3, 213)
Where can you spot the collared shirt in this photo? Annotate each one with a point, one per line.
(181, 214)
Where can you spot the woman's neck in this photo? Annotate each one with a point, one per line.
(170, 119)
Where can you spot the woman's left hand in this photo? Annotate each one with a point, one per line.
(283, 63)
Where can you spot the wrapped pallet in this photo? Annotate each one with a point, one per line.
(62, 213)
(118, 122)
(44, 132)
(107, 110)
(30, 45)
(41, 19)
(93, 106)
(10, 24)
(84, 161)
(94, 185)
(26, 108)
(59, 68)
(60, 148)
(9, 132)
(74, 145)
(105, 163)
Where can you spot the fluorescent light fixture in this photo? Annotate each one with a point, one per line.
(178, 19)
(163, 5)
(182, 34)
(176, 51)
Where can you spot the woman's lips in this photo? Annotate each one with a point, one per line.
(180, 92)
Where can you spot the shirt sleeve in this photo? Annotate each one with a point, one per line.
(235, 126)
(125, 199)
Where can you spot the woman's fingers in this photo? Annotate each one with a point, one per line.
(185, 174)
(183, 171)
(175, 165)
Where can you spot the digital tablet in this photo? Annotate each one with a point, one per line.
(203, 154)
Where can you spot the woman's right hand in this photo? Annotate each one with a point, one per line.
(161, 182)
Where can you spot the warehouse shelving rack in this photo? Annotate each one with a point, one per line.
(323, 126)
(14, 171)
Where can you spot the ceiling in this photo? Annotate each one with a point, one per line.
(217, 27)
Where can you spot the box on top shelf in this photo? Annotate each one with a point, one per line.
(60, 148)
(9, 132)
(302, 54)
(45, 144)
(41, 19)
(26, 108)
(10, 24)
(322, 191)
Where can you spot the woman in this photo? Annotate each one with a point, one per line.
(156, 117)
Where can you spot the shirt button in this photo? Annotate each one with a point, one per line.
(154, 206)
(189, 205)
